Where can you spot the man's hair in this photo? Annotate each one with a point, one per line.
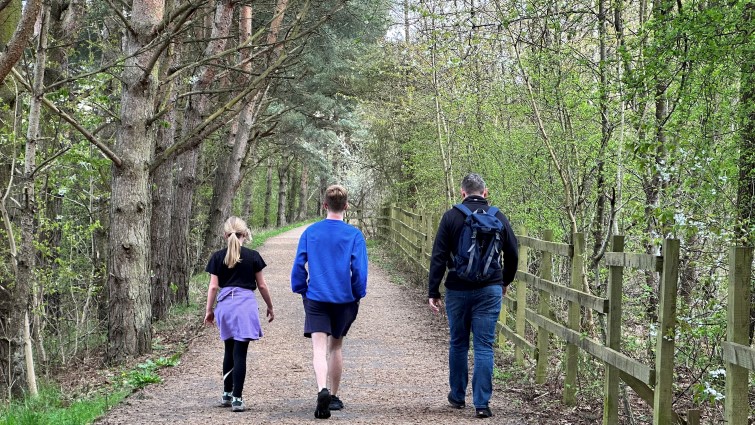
(473, 184)
(336, 198)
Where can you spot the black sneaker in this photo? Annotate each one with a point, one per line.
(237, 404)
(225, 399)
(456, 404)
(322, 411)
(335, 403)
(483, 412)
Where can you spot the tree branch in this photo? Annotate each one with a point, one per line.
(192, 139)
(46, 102)
(20, 38)
(122, 18)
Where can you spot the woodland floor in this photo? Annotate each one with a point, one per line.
(395, 367)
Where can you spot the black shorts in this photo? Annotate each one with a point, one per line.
(330, 318)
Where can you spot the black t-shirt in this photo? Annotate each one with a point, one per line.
(242, 274)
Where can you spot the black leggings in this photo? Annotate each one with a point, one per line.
(234, 360)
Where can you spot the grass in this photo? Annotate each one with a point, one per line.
(51, 406)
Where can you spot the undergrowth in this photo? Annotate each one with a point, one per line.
(54, 406)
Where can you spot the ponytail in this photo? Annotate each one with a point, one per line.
(234, 251)
(234, 228)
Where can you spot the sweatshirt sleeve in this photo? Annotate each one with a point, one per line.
(359, 267)
(438, 259)
(299, 271)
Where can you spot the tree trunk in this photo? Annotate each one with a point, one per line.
(129, 306)
(162, 200)
(229, 175)
(653, 184)
(196, 109)
(268, 193)
(291, 196)
(744, 229)
(247, 205)
(323, 187)
(303, 192)
(746, 183)
(599, 238)
(283, 168)
(26, 281)
(15, 46)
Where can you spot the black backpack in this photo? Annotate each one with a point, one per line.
(478, 253)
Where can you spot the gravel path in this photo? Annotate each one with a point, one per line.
(395, 365)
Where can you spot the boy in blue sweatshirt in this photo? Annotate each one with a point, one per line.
(330, 272)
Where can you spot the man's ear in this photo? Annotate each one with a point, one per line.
(463, 194)
(485, 193)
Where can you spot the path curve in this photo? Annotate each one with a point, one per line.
(395, 365)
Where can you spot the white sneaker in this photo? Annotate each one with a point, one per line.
(237, 404)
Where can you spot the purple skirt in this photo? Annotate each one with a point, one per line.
(236, 314)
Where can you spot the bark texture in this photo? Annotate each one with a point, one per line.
(197, 107)
(129, 303)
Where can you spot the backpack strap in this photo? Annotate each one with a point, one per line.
(493, 249)
(493, 211)
(463, 208)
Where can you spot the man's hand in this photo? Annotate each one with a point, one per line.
(435, 304)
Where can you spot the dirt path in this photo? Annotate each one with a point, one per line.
(395, 365)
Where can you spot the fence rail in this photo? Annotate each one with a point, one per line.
(412, 234)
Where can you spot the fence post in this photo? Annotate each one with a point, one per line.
(693, 417)
(521, 300)
(417, 229)
(664, 351)
(613, 335)
(392, 233)
(569, 397)
(383, 223)
(737, 331)
(544, 309)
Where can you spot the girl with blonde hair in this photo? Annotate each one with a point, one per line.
(235, 273)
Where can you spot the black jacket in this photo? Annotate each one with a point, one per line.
(449, 231)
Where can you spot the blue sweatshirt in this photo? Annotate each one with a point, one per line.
(335, 255)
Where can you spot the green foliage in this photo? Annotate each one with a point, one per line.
(52, 407)
(146, 373)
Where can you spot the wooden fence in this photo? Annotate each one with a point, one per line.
(412, 235)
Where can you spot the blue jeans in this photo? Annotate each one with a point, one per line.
(474, 311)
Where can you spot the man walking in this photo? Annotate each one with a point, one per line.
(330, 272)
(475, 285)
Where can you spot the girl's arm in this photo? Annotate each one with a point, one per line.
(212, 292)
(262, 286)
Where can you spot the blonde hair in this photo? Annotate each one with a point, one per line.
(336, 198)
(234, 229)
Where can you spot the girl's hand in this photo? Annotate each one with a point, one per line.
(209, 318)
(270, 314)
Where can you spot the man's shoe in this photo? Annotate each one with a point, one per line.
(237, 404)
(483, 412)
(225, 399)
(322, 411)
(456, 404)
(335, 403)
